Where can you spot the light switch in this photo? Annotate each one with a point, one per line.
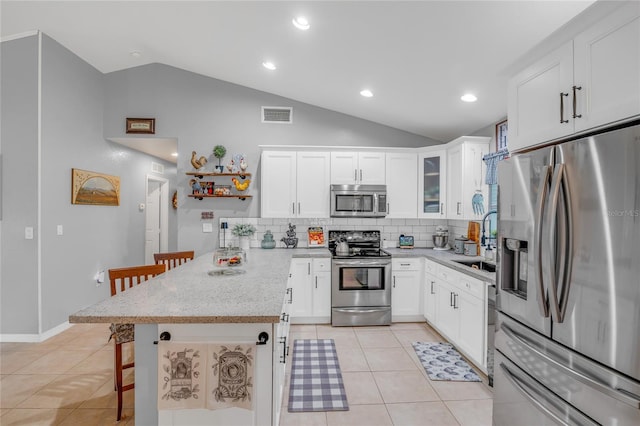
(59, 230)
(207, 227)
(28, 233)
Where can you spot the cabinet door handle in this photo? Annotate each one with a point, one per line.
(355, 174)
(283, 358)
(293, 208)
(432, 283)
(458, 208)
(360, 175)
(455, 301)
(441, 208)
(309, 268)
(450, 298)
(562, 120)
(298, 207)
(290, 293)
(574, 101)
(316, 282)
(394, 281)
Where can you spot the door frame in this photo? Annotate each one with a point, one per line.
(164, 211)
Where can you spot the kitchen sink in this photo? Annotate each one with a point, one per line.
(478, 264)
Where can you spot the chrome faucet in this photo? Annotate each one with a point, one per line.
(484, 218)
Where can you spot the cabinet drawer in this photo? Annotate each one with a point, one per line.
(430, 266)
(448, 274)
(407, 264)
(472, 285)
(321, 265)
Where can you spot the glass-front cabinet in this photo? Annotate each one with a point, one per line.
(431, 184)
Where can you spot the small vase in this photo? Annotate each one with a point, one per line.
(245, 244)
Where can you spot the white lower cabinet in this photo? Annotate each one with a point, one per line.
(460, 304)
(406, 289)
(310, 279)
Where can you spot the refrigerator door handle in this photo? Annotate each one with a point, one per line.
(533, 394)
(540, 205)
(617, 393)
(559, 304)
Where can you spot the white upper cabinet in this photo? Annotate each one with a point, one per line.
(357, 168)
(589, 81)
(402, 184)
(295, 184)
(432, 172)
(607, 68)
(466, 173)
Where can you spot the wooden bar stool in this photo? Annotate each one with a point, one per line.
(173, 259)
(122, 279)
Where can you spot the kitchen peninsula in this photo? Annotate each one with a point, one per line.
(194, 304)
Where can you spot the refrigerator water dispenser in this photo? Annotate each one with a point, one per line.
(514, 270)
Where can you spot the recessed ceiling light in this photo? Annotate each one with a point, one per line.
(301, 23)
(269, 65)
(135, 53)
(366, 93)
(174, 154)
(468, 97)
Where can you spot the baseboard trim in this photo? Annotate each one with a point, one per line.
(35, 338)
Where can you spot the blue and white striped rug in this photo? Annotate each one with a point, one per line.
(316, 380)
(442, 361)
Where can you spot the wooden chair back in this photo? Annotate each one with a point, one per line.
(122, 279)
(173, 259)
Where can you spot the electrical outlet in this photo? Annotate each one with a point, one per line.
(28, 233)
(59, 230)
(207, 227)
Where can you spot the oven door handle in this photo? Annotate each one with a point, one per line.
(360, 311)
(362, 262)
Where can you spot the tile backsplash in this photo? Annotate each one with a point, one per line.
(390, 229)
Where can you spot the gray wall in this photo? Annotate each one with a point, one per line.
(203, 112)
(95, 237)
(19, 267)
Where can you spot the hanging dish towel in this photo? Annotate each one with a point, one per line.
(492, 165)
(181, 367)
(230, 376)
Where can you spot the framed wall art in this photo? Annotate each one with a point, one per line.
(141, 125)
(501, 135)
(93, 188)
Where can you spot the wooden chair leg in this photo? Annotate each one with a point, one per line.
(118, 369)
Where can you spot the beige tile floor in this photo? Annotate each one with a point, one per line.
(386, 385)
(67, 380)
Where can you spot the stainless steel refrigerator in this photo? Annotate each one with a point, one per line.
(567, 335)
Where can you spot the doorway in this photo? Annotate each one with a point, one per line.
(156, 236)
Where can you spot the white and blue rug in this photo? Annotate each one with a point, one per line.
(316, 380)
(442, 362)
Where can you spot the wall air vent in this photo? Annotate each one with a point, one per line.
(277, 115)
(157, 168)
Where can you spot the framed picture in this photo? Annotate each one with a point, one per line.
(501, 135)
(141, 125)
(94, 188)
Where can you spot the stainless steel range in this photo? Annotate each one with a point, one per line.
(360, 280)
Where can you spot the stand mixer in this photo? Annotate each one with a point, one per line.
(441, 239)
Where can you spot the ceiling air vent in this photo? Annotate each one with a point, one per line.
(157, 168)
(277, 115)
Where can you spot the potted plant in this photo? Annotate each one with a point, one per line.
(219, 152)
(243, 231)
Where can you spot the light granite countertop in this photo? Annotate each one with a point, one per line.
(188, 294)
(447, 258)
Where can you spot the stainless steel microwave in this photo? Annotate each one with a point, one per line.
(358, 200)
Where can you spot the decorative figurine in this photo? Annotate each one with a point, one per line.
(290, 240)
(195, 186)
(241, 186)
(196, 162)
(243, 165)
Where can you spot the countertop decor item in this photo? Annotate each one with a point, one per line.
(268, 241)
(290, 240)
(219, 151)
(316, 236)
(406, 242)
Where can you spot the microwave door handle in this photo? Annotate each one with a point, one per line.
(540, 205)
(556, 185)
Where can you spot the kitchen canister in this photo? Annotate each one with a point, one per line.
(470, 248)
(458, 247)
